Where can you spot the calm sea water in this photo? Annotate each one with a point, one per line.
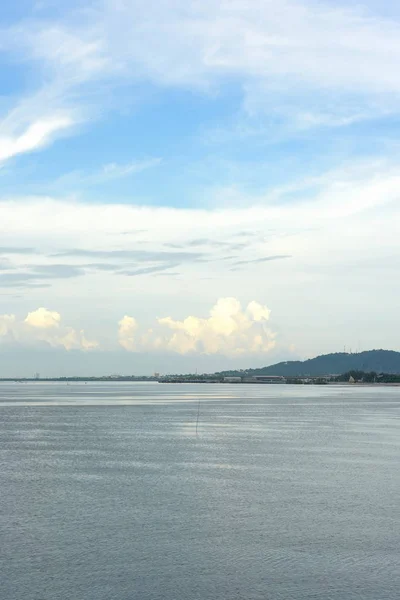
(106, 492)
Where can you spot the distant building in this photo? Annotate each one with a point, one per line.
(232, 379)
(265, 379)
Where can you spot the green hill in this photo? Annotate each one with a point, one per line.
(380, 361)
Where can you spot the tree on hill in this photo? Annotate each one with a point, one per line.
(378, 361)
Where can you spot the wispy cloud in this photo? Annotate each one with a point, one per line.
(288, 57)
(113, 170)
(329, 229)
(208, 243)
(38, 277)
(140, 255)
(37, 135)
(261, 260)
(150, 270)
(108, 173)
(58, 230)
(16, 250)
(65, 59)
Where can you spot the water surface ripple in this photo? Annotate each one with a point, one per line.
(285, 493)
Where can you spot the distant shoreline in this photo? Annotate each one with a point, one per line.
(188, 381)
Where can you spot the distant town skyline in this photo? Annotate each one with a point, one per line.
(192, 185)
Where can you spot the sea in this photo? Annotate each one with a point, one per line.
(125, 491)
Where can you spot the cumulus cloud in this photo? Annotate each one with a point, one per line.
(330, 230)
(229, 329)
(43, 318)
(6, 324)
(258, 312)
(126, 332)
(43, 326)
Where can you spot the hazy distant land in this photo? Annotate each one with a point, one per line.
(373, 366)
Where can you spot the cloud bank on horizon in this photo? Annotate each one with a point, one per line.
(42, 326)
(229, 330)
(162, 158)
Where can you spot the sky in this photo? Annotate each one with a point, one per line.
(196, 185)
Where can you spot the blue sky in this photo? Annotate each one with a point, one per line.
(197, 184)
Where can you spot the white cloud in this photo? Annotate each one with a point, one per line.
(38, 134)
(115, 171)
(43, 326)
(289, 56)
(6, 324)
(73, 340)
(331, 226)
(65, 59)
(358, 195)
(311, 64)
(258, 312)
(107, 173)
(315, 64)
(43, 318)
(75, 50)
(126, 333)
(229, 330)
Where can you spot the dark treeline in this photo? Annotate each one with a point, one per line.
(369, 377)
